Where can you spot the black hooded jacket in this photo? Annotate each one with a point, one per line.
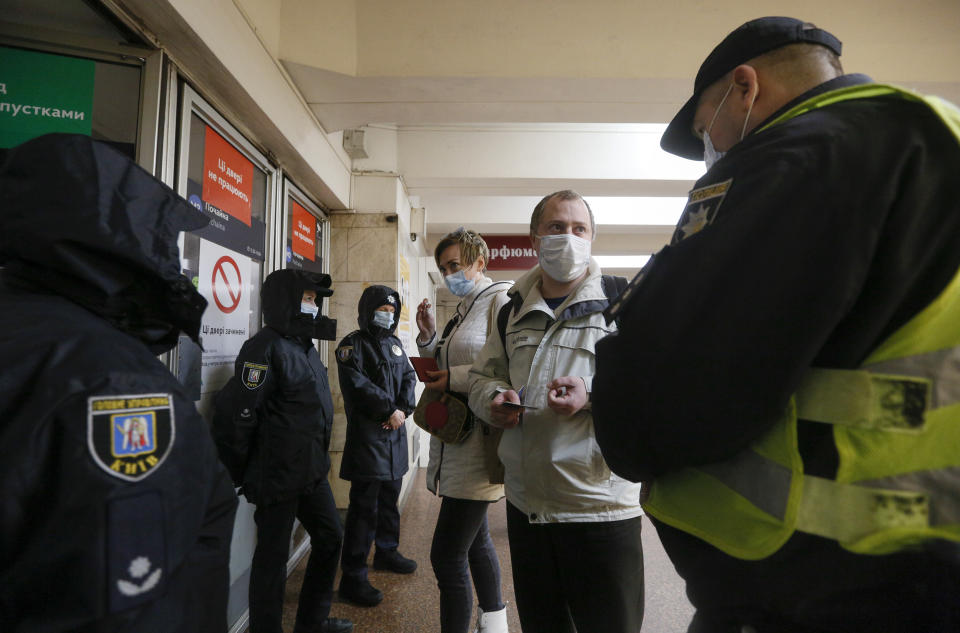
(272, 419)
(115, 513)
(376, 379)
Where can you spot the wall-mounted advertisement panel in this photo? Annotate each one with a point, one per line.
(305, 227)
(44, 92)
(224, 190)
(510, 252)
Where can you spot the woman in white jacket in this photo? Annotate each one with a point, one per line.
(458, 472)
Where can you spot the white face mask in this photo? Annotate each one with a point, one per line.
(383, 318)
(309, 308)
(564, 257)
(710, 153)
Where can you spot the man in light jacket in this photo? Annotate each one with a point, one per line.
(574, 527)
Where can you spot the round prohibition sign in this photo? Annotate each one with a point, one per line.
(220, 274)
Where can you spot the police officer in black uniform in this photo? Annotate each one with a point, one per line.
(377, 382)
(806, 244)
(115, 513)
(272, 427)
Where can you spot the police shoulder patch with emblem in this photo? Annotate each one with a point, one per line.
(701, 210)
(344, 353)
(254, 375)
(129, 436)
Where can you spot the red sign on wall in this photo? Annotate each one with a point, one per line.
(227, 177)
(303, 232)
(510, 252)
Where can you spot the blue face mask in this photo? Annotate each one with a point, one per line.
(458, 283)
(307, 308)
(383, 319)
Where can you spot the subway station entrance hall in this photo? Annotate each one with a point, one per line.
(540, 316)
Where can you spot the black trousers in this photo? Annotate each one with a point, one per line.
(372, 515)
(462, 548)
(585, 577)
(317, 511)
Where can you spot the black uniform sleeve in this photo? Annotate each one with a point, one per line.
(714, 340)
(365, 395)
(121, 517)
(239, 405)
(407, 400)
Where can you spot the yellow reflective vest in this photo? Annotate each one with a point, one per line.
(896, 427)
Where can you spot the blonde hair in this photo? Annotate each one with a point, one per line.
(471, 246)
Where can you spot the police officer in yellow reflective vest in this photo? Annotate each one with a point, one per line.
(787, 372)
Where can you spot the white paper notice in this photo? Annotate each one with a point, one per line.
(225, 281)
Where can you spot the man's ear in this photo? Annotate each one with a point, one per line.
(746, 84)
(533, 240)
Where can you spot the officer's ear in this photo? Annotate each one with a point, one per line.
(746, 85)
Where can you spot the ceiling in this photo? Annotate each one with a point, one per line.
(495, 104)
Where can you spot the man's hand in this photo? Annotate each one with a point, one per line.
(567, 395)
(426, 322)
(505, 417)
(438, 380)
(395, 421)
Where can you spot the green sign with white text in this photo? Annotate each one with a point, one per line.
(42, 93)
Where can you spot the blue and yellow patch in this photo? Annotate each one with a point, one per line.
(253, 375)
(701, 209)
(129, 436)
(344, 353)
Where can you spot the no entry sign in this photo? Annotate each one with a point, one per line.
(227, 281)
(226, 284)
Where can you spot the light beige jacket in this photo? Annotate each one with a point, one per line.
(554, 469)
(458, 470)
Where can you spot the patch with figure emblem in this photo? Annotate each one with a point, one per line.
(391, 300)
(130, 436)
(344, 353)
(701, 209)
(253, 375)
(396, 350)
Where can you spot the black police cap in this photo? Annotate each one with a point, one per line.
(752, 39)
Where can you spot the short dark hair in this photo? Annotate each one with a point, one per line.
(564, 194)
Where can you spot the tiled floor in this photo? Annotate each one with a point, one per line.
(411, 603)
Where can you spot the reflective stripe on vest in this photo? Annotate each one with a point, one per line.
(896, 426)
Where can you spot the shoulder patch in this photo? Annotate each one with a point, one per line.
(344, 353)
(701, 209)
(129, 436)
(253, 375)
(396, 350)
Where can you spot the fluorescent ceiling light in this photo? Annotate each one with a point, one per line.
(622, 261)
(634, 211)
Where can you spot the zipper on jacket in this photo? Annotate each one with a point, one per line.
(436, 480)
